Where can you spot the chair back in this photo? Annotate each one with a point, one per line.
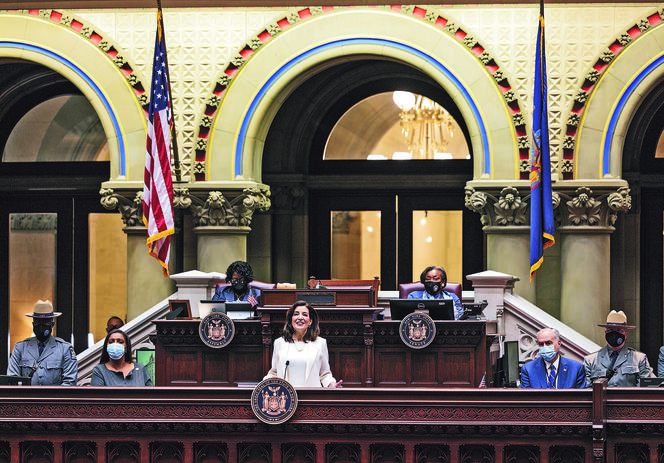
(260, 285)
(406, 288)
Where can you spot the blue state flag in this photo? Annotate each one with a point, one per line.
(541, 204)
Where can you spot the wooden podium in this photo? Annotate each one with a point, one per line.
(364, 351)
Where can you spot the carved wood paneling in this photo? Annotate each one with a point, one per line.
(298, 453)
(79, 452)
(348, 363)
(5, 452)
(254, 452)
(567, 454)
(632, 453)
(166, 452)
(337, 452)
(521, 454)
(472, 453)
(430, 453)
(387, 453)
(210, 452)
(36, 451)
(123, 452)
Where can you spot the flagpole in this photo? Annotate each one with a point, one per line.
(174, 138)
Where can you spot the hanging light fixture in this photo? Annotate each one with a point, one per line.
(427, 126)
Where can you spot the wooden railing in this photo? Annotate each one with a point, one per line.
(169, 424)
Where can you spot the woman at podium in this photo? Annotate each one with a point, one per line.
(300, 355)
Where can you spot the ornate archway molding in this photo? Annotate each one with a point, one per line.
(611, 90)
(95, 65)
(245, 97)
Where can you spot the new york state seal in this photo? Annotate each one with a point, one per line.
(274, 400)
(417, 330)
(216, 330)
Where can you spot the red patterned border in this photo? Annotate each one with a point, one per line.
(432, 17)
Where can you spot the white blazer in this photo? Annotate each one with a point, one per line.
(318, 363)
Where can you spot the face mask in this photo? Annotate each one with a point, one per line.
(548, 353)
(239, 285)
(432, 287)
(614, 338)
(42, 332)
(116, 351)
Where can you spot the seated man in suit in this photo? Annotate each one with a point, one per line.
(434, 279)
(550, 370)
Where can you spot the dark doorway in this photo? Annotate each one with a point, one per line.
(644, 171)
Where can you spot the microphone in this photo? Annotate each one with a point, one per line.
(286, 369)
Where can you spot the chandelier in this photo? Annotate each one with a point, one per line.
(427, 126)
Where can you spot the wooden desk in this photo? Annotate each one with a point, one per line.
(362, 296)
(363, 352)
(217, 425)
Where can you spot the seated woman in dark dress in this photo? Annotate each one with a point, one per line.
(116, 367)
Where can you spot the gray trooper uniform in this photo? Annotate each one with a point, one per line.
(56, 365)
(630, 366)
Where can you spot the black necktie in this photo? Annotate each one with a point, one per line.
(614, 356)
(41, 347)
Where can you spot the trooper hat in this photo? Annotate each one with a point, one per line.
(43, 309)
(616, 320)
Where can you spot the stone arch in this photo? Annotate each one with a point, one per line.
(96, 66)
(611, 91)
(248, 93)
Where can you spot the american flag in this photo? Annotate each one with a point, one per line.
(158, 186)
(252, 300)
(483, 382)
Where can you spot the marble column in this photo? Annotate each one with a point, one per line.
(221, 225)
(504, 214)
(585, 266)
(218, 246)
(587, 219)
(146, 284)
(508, 251)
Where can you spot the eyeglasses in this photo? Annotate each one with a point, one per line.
(236, 281)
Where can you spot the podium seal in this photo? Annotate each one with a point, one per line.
(274, 400)
(216, 330)
(417, 330)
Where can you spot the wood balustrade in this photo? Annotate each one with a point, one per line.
(172, 424)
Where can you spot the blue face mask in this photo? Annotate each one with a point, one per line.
(116, 350)
(548, 353)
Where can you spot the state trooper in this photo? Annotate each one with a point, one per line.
(46, 359)
(621, 365)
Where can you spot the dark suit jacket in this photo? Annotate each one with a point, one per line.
(571, 374)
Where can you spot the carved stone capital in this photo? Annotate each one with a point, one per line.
(220, 210)
(288, 198)
(577, 207)
(507, 208)
(128, 203)
(217, 209)
(584, 207)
